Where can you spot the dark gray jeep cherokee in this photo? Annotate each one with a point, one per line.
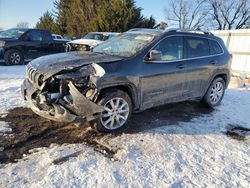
(134, 71)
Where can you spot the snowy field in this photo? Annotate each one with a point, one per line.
(193, 153)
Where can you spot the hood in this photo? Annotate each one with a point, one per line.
(8, 39)
(53, 64)
(88, 42)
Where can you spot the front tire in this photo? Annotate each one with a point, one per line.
(215, 93)
(13, 57)
(117, 111)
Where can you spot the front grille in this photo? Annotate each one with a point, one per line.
(33, 76)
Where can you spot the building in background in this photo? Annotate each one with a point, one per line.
(238, 44)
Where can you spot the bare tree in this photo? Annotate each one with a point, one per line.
(187, 14)
(230, 14)
(22, 24)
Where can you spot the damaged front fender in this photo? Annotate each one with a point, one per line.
(81, 105)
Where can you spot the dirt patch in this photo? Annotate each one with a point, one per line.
(31, 131)
(237, 132)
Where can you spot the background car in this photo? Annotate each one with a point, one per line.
(19, 45)
(89, 41)
(69, 38)
(57, 37)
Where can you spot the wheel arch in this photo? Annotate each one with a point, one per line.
(130, 89)
(15, 48)
(224, 75)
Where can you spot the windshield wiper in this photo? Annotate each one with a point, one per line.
(103, 53)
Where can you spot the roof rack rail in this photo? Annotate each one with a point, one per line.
(186, 30)
(135, 29)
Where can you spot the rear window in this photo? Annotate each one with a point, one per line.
(215, 48)
(197, 47)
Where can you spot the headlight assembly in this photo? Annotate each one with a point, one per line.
(2, 43)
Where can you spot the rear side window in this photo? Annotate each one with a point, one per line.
(196, 47)
(215, 48)
(47, 36)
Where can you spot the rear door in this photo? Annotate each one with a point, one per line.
(162, 80)
(48, 44)
(51, 46)
(198, 69)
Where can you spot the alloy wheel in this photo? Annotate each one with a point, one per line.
(115, 115)
(216, 93)
(15, 58)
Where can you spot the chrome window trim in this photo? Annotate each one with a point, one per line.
(184, 59)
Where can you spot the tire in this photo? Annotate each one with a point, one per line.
(116, 117)
(13, 57)
(215, 93)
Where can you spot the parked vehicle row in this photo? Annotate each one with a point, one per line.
(20, 45)
(132, 72)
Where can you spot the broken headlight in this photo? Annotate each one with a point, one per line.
(2, 43)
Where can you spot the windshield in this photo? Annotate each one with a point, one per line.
(125, 45)
(12, 33)
(95, 36)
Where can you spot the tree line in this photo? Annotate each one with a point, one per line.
(78, 17)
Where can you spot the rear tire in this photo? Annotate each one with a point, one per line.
(215, 93)
(118, 108)
(13, 57)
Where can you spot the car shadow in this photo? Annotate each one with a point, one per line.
(170, 114)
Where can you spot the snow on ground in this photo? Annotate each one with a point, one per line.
(182, 154)
(10, 81)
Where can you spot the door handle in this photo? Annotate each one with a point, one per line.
(213, 62)
(181, 66)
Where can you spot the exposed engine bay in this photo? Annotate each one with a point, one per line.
(69, 96)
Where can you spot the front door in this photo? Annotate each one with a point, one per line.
(162, 80)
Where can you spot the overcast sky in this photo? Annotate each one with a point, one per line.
(14, 11)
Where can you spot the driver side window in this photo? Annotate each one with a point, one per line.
(171, 48)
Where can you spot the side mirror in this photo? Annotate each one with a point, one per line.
(154, 55)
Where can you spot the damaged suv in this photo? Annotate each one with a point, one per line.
(137, 70)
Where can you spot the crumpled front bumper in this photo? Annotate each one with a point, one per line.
(80, 110)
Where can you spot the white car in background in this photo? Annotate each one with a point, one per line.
(57, 37)
(89, 41)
